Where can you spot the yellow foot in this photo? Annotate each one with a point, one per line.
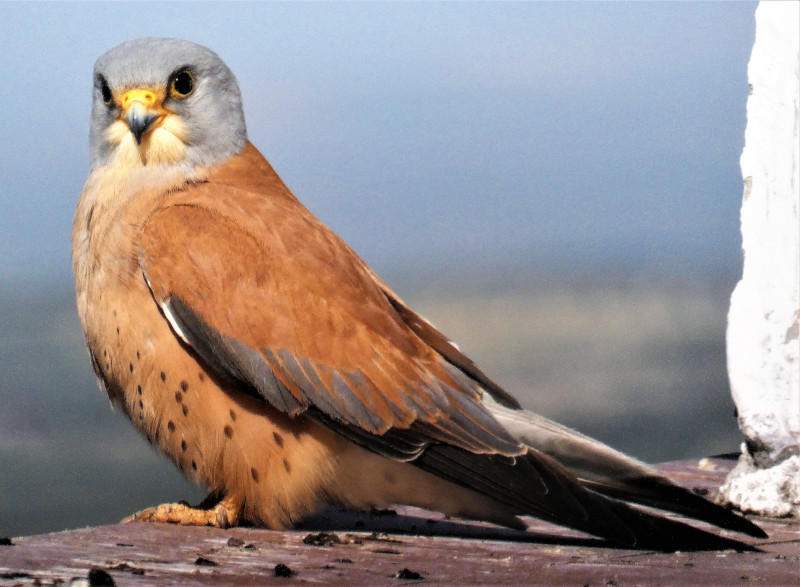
(224, 514)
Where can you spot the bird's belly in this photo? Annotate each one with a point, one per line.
(222, 438)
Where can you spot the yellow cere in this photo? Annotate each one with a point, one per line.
(145, 96)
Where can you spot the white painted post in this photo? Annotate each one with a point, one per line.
(764, 320)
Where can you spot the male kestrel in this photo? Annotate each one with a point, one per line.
(256, 350)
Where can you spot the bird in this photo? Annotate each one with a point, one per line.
(256, 350)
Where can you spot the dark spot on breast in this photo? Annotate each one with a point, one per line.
(105, 354)
(163, 376)
(171, 426)
(194, 465)
(254, 474)
(130, 366)
(117, 330)
(178, 397)
(108, 366)
(138, 356)
(183, 445)
(228, 431)
(278, 439)
(185, 410)
(287, 466)
(89, 217)
(141, 405)
(233, 416)
(139, 389)
(184, 386)
(141, 416)
(201, 376)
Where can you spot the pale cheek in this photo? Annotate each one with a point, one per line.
(116, 132)
(174, 125)
(162, 148)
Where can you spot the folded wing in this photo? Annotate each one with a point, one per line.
(282, 309)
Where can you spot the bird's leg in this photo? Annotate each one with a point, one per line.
(213, 511)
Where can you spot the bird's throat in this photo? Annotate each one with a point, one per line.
(163, 144)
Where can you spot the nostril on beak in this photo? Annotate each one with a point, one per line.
(146, 97)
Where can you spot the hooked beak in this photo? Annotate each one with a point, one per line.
(139, 110)
(139, 120)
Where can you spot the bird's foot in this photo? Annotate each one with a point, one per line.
(221, 513)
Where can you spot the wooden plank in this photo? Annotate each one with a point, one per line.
(392, 548)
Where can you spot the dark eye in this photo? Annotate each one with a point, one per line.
(181, 84)
(108, 97)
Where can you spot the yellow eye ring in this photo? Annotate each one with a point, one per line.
(181, 85)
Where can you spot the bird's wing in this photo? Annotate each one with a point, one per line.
(276, 304)
(268, 295)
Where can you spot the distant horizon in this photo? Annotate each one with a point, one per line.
(516, 269)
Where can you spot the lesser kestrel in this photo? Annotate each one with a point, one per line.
(256, 350)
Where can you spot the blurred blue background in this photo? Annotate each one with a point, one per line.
(554, 185)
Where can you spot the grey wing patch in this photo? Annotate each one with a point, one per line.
(229, 358)
(343, 404)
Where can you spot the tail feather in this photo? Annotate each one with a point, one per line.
(661, 493)
(609, 472)
(566, 502)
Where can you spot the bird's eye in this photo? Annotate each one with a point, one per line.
(108, 97)
(181, 84)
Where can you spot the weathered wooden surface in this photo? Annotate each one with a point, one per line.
(388, 548)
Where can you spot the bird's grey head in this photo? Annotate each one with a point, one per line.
(164, 102)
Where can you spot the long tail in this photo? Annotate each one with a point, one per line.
(604, 470)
